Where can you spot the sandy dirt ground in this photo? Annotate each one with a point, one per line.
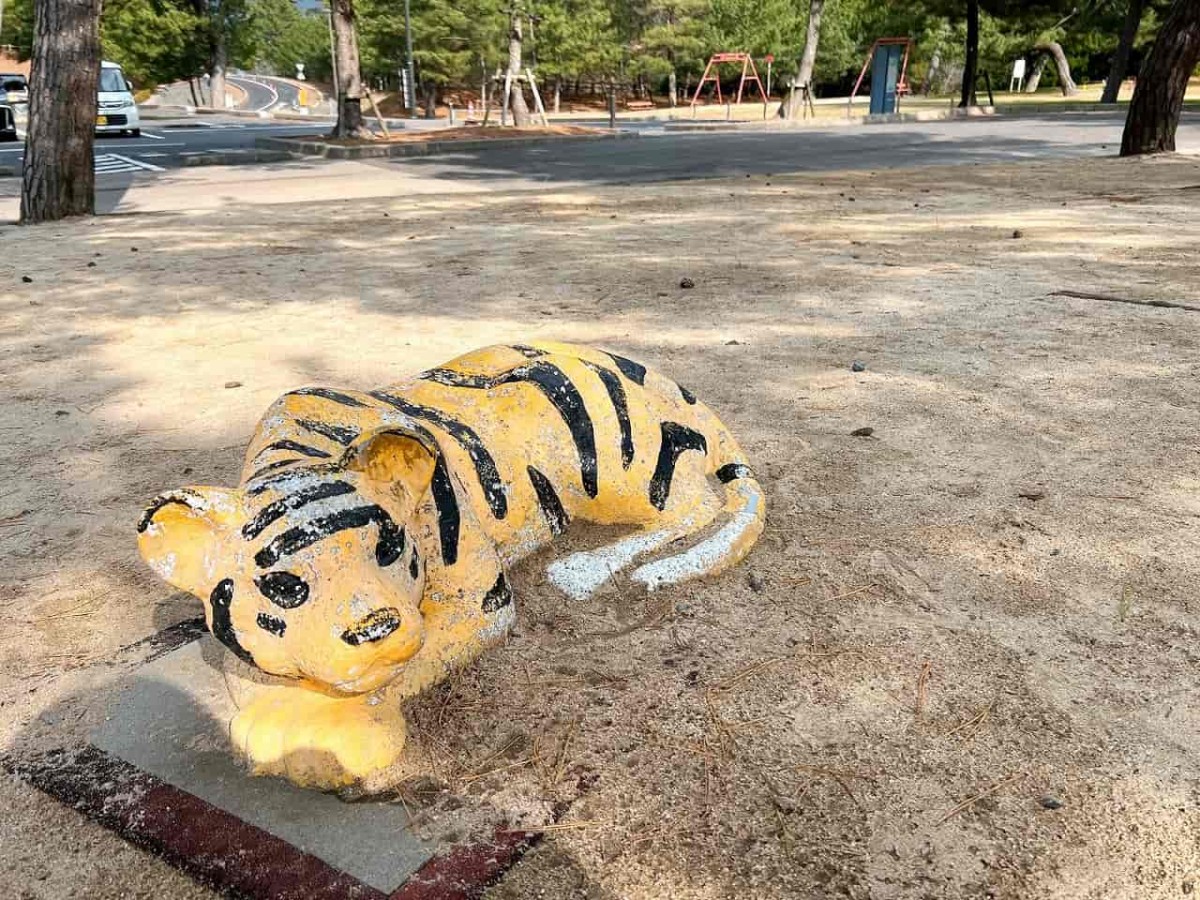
(473, 133)
(963, 660)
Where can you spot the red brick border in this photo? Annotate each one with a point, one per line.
(220, 850)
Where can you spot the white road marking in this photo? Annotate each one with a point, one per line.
(115, 162)
(153, 137)
(274, 93)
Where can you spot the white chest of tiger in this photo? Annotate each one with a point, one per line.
(363, 556)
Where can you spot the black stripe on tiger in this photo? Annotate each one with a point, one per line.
(183, 497)
(688, 397)
(616, 393)
(733, 471)
(527, 351)
(220, 601)
(327, 394)
(634, 371)
(295, 446)
(296, 539)
(279, 508)
(569, 402)
(467, 438)
(552, 508)
(676, 439)
(447, 510)
(498, 596)
(271, 467)
(558, 389)
(340, 434)
(286, 477)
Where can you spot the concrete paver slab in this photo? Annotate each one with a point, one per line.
(170, 720)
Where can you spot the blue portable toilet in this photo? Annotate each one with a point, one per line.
(885, 75)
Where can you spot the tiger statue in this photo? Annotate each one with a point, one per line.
(363, 556)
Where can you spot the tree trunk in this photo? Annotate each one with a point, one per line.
(349, 76)
(516, 97)
(793, 106)
(59, 178)
(673, 87)
(808, 59)
(971, 65)
(1158, 96)
(935, 63)
(1120, 60)
(557, 93)
(1065, 82)
(1035, 73)
(430, 91)
(220, 55)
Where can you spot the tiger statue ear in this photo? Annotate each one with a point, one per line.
(397, 462)
(181, 531)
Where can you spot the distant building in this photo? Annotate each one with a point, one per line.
(9, 62)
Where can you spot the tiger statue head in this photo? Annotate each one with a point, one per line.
(309, 573)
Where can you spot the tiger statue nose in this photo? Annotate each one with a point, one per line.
(374, 627)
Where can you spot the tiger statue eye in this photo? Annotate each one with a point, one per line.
(283, 589)
(391, 543)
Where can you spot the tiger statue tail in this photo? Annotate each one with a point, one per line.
(743, 515)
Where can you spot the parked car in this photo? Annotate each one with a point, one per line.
(116, 110)
(8, 123)
(13, 89)
(14, 85)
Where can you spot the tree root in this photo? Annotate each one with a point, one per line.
(1112, 298)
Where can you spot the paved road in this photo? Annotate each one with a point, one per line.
(167, 144)
(126, 164)
(659, 156)
(261, 94)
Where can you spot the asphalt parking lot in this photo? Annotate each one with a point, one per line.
(167, 144)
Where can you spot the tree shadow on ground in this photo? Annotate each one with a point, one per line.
(653, 159)
(1027, 487)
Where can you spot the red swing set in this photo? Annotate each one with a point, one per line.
(749, 74)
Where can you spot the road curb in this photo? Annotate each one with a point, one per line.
(424, 148)
(776, 124)
(237, 157)
(240, 113)
(166, 111)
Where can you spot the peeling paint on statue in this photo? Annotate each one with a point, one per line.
(363, 557)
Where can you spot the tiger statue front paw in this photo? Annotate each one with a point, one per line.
(318, 741)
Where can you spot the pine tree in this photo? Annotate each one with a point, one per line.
(58, 179)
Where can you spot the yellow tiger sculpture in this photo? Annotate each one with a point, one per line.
(363, 557)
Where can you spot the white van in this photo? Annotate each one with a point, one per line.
(116, 112)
